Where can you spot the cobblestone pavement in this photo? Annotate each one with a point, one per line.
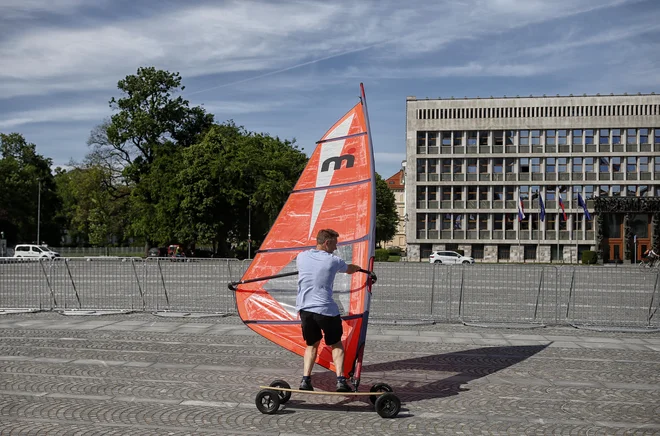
(140, 374)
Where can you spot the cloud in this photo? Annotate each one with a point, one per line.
(22, 9)
(69, 113)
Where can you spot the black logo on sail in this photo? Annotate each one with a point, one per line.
(337, 161)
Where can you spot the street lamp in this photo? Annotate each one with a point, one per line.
(39, 213)
(249, 227)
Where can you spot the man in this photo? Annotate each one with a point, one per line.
(319, 314)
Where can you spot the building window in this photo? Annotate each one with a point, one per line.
(562, 137)
(509, 165)
(604, 136)
(483, 221)
(472, 137)
(550, 193)
(561, 164)
(616, 191)
(524, 137)
(577, 164)
(498, 137)
(498, 192)
(524, 165)
(588, 192)
(458, 221)
(472, 166)
(562, 221)
(446, 193)
(446, 221)
(603, 191)
(524, 192)
(510, 135)
(483, 137)
(446, 138)
(536, 137)
(472, 222)
(631, 164)
(551, 219)
(509, 220)
(458, 166)
(498, 165)
(631, 191)
(472, 192)
(644, 190)
(536, 165)
(458, 138)
(577, 189)
(643, 136)
(483, 166)
(458, 193)
(616, 164)
(656, 138)
(550, 165)
(508, 193)
(577, 137)
(483, 193)
(631, 136)
(616, 136)
(589, 136)
(588, 164)
(550, 137)
(604, 165)
(656, 166)
(445, 166)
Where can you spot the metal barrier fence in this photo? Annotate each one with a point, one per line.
(405, 292)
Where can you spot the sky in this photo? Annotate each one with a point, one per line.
(292, 68)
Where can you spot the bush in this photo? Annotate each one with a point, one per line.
(382, 255)
(589, 257)
(394, 251)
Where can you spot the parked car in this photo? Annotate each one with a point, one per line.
(31, 251)
(450, 258)
(158, 252)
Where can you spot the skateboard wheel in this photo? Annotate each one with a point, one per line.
(267, 401)
(388, 405)
(379, 387)
(284, 396)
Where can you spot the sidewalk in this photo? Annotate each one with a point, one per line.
(142, 374)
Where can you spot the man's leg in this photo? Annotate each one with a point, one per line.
(310, 357)
(338, 357)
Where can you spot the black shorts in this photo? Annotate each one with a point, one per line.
(313, 324)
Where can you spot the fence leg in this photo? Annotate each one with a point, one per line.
(432, 288)
(655, 288)
(50, 287)
(570, 295)
(538, 295)
(144, 303)
(162, 279)
(460, 298)
(75, 290)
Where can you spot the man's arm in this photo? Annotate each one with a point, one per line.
(351, 268)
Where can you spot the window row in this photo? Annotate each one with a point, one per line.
(537, 137)
(538, 112)
(499, 165)
(501, 221)
(429, 196)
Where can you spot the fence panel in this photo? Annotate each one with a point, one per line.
(612, 296)
(501, 293)
(26, 284)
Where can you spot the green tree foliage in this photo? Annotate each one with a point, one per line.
(143, 140)
(229, 172)
(387, 217)
(24, 175)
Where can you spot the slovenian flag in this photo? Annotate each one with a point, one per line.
(521, 210)
(584, 207)
(561, 205)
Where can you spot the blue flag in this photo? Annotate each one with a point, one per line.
(582, 203)
(542, 206)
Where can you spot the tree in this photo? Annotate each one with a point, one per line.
(27, 189)
(149, 126)
(226, 173)
(387, 217)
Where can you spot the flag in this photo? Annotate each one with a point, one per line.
(561, 205)
(584, 207)
(542, 207)
(521, 210)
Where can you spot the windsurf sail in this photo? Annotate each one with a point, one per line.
(337, 190)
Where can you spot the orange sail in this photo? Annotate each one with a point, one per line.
(337, 191)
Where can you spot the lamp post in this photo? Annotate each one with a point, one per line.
(249, 228)
(39, 213)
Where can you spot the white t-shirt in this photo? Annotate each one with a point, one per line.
(316, 275)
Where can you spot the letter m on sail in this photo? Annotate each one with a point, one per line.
(338, 160)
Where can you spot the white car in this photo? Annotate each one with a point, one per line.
(450, 258)
(30, 251)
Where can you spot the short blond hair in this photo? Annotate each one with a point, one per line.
(325, 235)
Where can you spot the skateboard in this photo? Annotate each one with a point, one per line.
(381, 395)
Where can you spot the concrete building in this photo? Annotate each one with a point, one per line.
(471, 162)
(396, 185)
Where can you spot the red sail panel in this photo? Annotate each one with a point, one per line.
(336, 190)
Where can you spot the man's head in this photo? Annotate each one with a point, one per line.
(326, 240)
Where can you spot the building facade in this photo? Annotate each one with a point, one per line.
(396, 185)
(490, 176)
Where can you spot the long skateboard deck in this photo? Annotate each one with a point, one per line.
(317, 392)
